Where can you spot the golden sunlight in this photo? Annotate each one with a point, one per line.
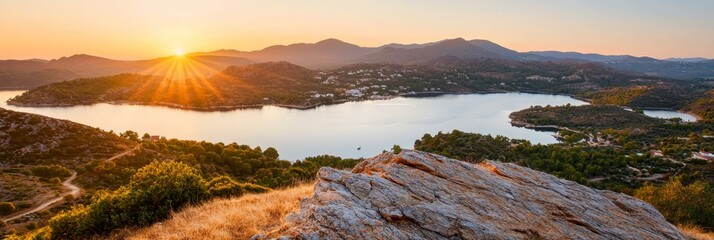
(179, 52)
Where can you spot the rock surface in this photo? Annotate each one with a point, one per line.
(416, 195)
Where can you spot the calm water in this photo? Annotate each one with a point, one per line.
(670, 114)
(337, 129)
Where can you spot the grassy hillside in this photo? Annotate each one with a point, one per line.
(232, 218)
(703, 107)
(251, 214)
(34, 139)
(38, 153)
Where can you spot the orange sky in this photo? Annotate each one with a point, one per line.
(136, 29)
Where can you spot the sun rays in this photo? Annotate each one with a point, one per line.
(184, 80)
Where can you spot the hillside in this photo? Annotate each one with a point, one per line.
(38, 154)
(325, 53)
(675, 68)
(703, 106)
(416, 195)
(278, 83)
(289, 85)
(234, 218)
(27, 74)
(48, 166)
(33, 139)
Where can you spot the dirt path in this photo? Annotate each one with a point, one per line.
(123, 153)
(73, 190)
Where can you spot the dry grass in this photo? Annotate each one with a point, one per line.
(235, 218)
(697, 233)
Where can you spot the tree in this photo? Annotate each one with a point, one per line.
(130, 135)
(271, 153)
(396, 149)
(50, 171)
(680, 203)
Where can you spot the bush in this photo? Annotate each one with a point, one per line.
(151, 195)
(6, 208)
(50, 171)
(682, 204)
(253, 188)
(70, 224)
(224, 186)
(31, 226)
(56, 181)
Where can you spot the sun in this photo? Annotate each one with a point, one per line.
(179, 52)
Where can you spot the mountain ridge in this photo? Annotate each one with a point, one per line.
(331, 53)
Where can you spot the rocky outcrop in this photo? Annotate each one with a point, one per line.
(416, 195)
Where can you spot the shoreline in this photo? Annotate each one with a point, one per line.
(547, 128)
(183, 107)
(340, 101)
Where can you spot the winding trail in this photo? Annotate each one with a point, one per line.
(74, 190)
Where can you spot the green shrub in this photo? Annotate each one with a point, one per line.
(55, 181)
(6, 208)
(50, 171)
(31, 226)
(151, 195)
(70, 224)
(254, 188)
(680, 203)
(224, 186)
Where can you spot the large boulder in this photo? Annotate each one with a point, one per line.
(417, 195)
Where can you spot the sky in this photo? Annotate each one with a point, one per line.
(137, 29)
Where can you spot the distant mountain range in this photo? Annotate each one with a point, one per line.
(334, 53)
(24, 74)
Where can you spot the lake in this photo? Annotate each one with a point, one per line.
(666, 114)
(372, 126)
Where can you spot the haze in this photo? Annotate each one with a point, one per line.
(143, 29)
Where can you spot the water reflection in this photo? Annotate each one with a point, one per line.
(338, 129)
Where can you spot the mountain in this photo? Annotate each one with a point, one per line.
(25, 74)
(655, 67)
(590, 57)
(329, 52)
(695, 59)
(457, 47)
(675, 68)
